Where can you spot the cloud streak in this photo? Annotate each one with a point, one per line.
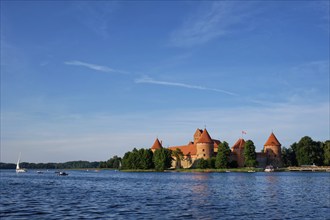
(93, 66)
(183, 85)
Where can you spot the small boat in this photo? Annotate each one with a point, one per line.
(269, 168)
(40, 172)
(18, 169)
(62, 174)
(251, 171)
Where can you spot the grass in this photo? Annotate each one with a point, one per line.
(244, 169)
(139, 170)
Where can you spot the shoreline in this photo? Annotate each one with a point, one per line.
(223, 170)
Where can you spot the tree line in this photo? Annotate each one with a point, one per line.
(67, 165)
(307, 152)
(142, 159)
(145, 159)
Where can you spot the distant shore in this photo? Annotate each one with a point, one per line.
(224, 170)
(238, 170)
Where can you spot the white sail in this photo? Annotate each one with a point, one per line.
(17, 165)
(19, 170)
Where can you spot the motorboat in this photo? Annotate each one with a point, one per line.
(269, 168)
(62, 174)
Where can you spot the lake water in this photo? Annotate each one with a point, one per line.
(169, 195)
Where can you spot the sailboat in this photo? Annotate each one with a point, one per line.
(19, 170)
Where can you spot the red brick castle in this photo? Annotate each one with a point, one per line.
(203, 146)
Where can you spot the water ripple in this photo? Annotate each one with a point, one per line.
(117, 195)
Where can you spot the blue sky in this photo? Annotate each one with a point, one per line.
(90, 80)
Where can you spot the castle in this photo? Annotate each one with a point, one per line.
(205, 147)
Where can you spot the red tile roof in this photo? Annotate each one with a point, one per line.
(205, 137)
(239, 144)
(272, 141)
(186, 149)
(198, 132)
(216, 143)
(157, 145)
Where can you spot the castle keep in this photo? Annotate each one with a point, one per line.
(203, 146)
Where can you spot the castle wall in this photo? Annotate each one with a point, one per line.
(204, 150)
(239, 157)
(273, 155)
(185, 163)
(262, 160)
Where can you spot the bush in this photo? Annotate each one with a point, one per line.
(233, 164)
(202, 164)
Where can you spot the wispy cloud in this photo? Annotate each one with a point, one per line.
(319, 67)
(93, 66)
(152, 81)
(322, 7)
(219, 18)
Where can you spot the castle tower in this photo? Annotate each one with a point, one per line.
(238, 151)
(197, 135)
(204, 146)
(272, 148)
(157, 145)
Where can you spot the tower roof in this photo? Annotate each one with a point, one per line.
(157, 145)
(272, 141)
(205, 137)
(239, 144)
(198, 132)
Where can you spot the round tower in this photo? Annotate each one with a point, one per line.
(204, 146)
(272, 148)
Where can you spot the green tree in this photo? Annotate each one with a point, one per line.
(178, 155)
(233, 164)
(113, 162)
(222, 155)
(134, 159)
(126, 163)
(211, 162)
(162, 159)
(145, 159)
(288, 157)
(250, 154)
(202, 164)
(309, 152)
(326, 153)
(103, 164)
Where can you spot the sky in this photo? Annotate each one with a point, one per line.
(87, 80)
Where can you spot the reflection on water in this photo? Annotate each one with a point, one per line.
(118, 195)
(201, 184)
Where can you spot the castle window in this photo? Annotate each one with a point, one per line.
(204, 155)
(203, 149)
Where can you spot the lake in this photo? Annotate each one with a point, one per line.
(170, 195)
